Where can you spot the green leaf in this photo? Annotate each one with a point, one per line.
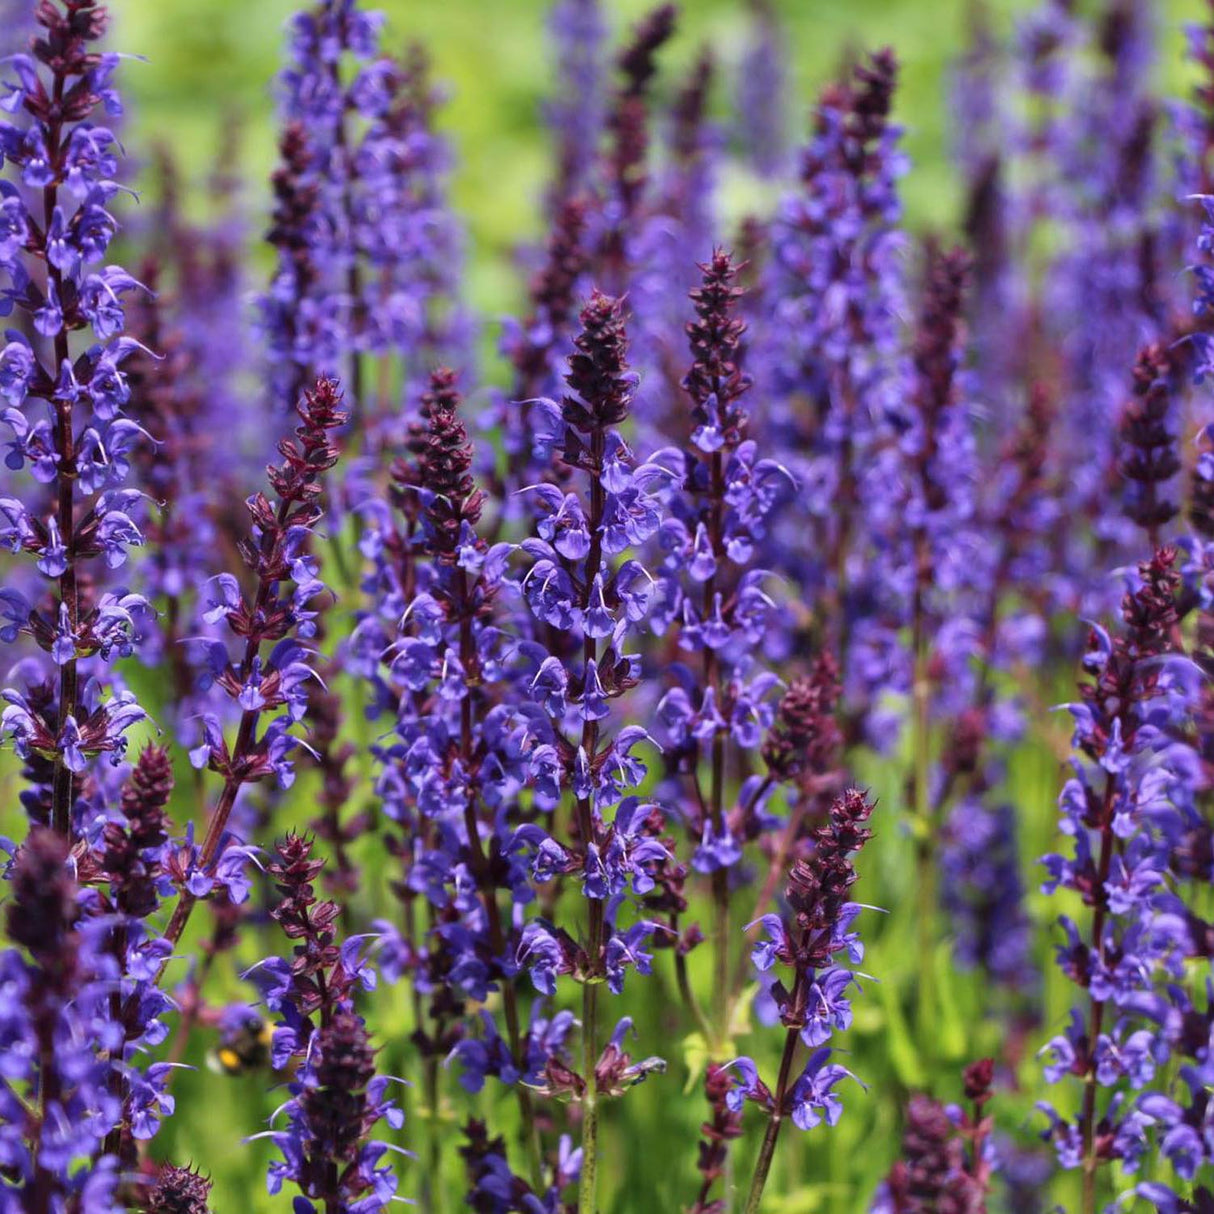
(953, 1034)
(902, 1050)
(695, 1059)
(739, 1014)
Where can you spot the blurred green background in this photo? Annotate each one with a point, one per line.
(209, 66)
(211, 62)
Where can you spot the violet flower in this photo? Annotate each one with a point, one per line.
(334, 757)
(55, 1008)
(82, 1001)
(834, 291)
(496, 1190)
(536, 348)
(981, 887)
(19, 27)
(1113, 295)
(982, 893)
(1150, 456)
(816, 1005)
(942, 572)
(178, 472)
(1125, 809)
(453, 772)
(208, 302)
(78, 449)
(293, 321)
(367, 252)
(131, 872)
(337, 1099)
(999, 286)
(411, 242)
(671, 237)
(625, 166)
(713, 600)
(802, 753)
(280, 611)
(943, 1168)
(583, 584)
(577, 110)
(308, 313)
(763, 93)
(1168, 1020)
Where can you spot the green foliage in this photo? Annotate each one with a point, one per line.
(210, 73)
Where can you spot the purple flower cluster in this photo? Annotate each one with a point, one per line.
(710, 595)
(494, 1189)
(367, 253)
(337, 1099)
(577, 110)
(455, 766)
(943, 1168)
(1128, 804)
(832, 290)
(82, 1007)
(76, 446)
(815, 1003)
(57, 1021)
(282, 611)
(535, 347)
(762, 93)
(581, 583)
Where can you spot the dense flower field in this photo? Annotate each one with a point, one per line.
(735, 736)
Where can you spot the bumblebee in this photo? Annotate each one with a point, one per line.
(245, 1047)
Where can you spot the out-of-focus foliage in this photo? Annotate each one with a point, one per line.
(209, 68)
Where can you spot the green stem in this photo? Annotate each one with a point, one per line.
(721, 944)
(434, 1192)
(590, 1105)
(768, 1149)
(689, 998)
(925, 817)
(531, 1142)
(763, 1164)
(1087, 1118)
(925, 865)
(589, 834)
(722, 952)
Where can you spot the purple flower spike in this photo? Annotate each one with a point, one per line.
(813, 1007)
(67, 390)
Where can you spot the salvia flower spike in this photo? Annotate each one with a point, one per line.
(68, 354)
